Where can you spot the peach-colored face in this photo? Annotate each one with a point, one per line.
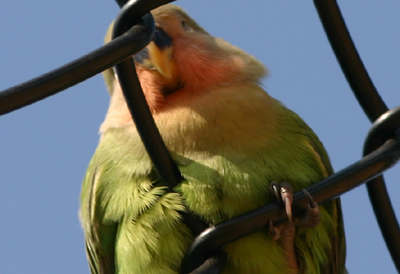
(198, 63)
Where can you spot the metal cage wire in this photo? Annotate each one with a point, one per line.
(381, 150)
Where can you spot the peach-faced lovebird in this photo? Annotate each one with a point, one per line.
(237, 149)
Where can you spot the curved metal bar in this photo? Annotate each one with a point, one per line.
(385, 127)
(349, 59)
(343, 181)
(373, 106)
(163, 163)
(167, 170)
(132, 11)
(78, 70)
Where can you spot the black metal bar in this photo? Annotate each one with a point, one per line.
(163, 163)
(167, 170)
(132, 11)
(387, 126)
(76, 71)
(349, 59)
(373, 106)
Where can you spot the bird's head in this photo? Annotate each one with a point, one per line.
(183, 61)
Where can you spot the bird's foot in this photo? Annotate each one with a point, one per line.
(284, 193)
(284, 233)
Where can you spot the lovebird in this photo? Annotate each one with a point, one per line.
(237, 149)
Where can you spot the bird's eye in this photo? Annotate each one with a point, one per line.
(186, 26)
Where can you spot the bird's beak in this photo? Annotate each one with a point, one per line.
(158, 55)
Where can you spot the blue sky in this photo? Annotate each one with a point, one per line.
(45, 147)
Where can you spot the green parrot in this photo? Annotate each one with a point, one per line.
(232, 143)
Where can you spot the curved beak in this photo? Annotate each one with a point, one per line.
(158, 54)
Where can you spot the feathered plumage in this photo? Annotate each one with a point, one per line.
(230, 140)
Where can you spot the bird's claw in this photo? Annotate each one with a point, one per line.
(312, 216)
(274, 231)
(284, 193)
